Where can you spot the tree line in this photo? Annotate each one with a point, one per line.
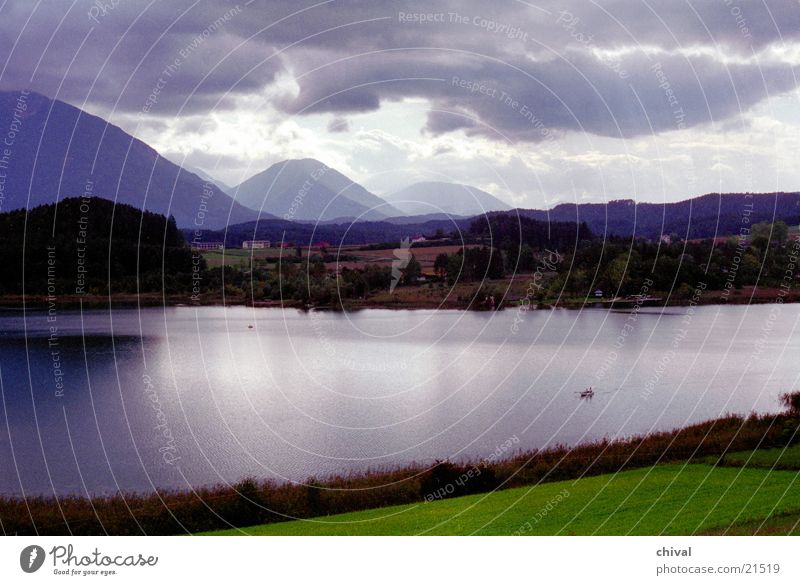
(93, 246)
(89, 245)
(763, 254)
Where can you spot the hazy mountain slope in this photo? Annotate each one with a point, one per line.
(306, 189)
(437, 197)
(59, 151)
(711, 215)
(207, 177)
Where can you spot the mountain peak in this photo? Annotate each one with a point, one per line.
(428, 197)
(309, 190)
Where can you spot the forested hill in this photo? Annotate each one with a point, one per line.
(366, 232)
(507, 230)
(76, 246)
(707, 216)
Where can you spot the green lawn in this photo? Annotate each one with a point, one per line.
(779, 524)
(788, 458)
(239, 256)
(666, 499)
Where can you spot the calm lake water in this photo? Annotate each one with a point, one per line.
(173, 397)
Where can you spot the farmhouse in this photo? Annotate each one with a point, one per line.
(208, 245)
(256, 244)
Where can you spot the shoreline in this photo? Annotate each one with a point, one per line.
(744, 296)
(252, 501)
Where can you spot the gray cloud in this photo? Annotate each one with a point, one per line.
(188, 60)
(338, 125)
(543, 69)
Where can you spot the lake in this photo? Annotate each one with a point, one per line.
(175, 397)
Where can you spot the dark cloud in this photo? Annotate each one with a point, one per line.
(338, 125)
(529, 75)
(443, 121)
(159, 59)
(544, 70)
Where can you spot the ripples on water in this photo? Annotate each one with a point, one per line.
(179, 396)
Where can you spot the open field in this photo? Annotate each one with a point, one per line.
(424, 255)
(237, 256)
(778, 458)
(672, 499)
(360, 258)
(776, 525)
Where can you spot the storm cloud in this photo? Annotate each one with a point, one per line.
(518, 72)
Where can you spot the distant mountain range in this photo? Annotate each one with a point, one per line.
(435, 197)
(308, 190)
(60, 151)
(710, 215)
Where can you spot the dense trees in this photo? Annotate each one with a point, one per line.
(310, 283)
(513, 234)
(475, 264)
(411, 271)
(85, 245)
(620, 266)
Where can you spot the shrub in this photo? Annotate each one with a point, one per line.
(791, 400)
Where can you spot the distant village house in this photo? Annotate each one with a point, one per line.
(208, 245)
(256, 244)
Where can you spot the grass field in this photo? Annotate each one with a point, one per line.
(236, 256)
(357, 259)
(671, 499)
(777, 525)
(788, 458)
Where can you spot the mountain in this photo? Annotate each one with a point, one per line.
(450, 198)
(59, 151)
(224, 187)
(710, 215)
(306, 189)
(412, 219)
(702, 217)
(336, 234)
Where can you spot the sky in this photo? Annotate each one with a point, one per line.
(536, 102)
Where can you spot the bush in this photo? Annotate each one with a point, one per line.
(791, 400)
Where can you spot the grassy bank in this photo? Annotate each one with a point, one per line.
(672, 499)
(252, 502)
(457, 297)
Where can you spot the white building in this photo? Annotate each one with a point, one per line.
(256, 244)
(208, 245)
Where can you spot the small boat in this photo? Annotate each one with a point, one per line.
(588, 393)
